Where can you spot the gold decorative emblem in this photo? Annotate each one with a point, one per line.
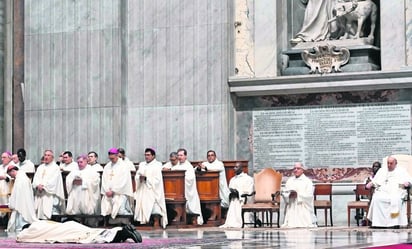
(326, 59)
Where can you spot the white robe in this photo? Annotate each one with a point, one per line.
(223, 188)
(191, 194)
(243, 183)
(149, 195)
(51, 199)
(69, 167)
(85, 198)
(388, 207)
(129, 164)
(97, 167)
(27, 166)
(299, 210)
(116, 177)
(21, 202)
(4, 185)
(69, 232)
(168, 165)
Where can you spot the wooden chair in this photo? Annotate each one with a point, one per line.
(360, 204)
(324, 189)
(266, 196)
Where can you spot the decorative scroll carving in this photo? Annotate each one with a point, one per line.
(326, 59)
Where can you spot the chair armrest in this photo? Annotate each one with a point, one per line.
(246, 195)
(274, 196)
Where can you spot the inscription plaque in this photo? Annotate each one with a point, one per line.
(333, 136)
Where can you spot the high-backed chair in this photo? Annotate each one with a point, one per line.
(323, 189)
(362, 201)
(266, 196)
(404, 161)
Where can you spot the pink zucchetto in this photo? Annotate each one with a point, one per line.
(113, 151)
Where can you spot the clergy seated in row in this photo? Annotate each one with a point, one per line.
(149, 195)
(67, 162)
(6, 159)
(214, 164)
(388, 205)
(191, 194)
(239, 184)
(48, 188)
(298, 196)
(21, 200)
(116, 189)
(83, 189)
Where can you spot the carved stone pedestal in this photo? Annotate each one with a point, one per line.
(362, 58)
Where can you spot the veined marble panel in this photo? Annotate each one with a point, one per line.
(408, 20)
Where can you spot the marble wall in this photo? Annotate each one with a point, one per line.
(128, 73)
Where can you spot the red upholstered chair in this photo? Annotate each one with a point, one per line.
(266, 196)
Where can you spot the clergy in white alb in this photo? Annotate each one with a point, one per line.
(45, 231)
(215, 165)
(191, 194)
(173, 161)
(126, 160)
(298, 196)
(83, 189)
(240, 184)
(48, 188)
(21, 200)
(149, 195)
(68, 164)
(388, 205)
(25, 164)
(6, 159)
(92, 161)
(116, 187)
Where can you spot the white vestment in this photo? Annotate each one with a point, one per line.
(299, 210)
(85, 198)
(69, 167)
(21, 202)
(129, 164)
(168, 165)
(149, 195)
(51, 199)
(4, 185)
(243, 183)
(116, 177)
(97, 167)
(27, 166)
(191, 194)
(388, 207)
(45, 231)
(223, 189)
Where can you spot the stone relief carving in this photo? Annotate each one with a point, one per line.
(336, 19)
(326, 59)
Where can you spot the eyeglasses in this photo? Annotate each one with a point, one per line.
(297, 168)
(210, 155)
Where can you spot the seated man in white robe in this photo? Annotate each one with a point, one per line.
(215, 165)
(239, 185)
(83, 189)
(73, 232)
(21, 200)
(25, 164)
(149, 195)
(48, 186)
(173, 161)
(116, 188)
(298, 196)
(388, 207)
(191, 194)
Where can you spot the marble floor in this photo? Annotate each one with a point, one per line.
(322, 237)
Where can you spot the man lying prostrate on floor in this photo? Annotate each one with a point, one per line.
(46, 231)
